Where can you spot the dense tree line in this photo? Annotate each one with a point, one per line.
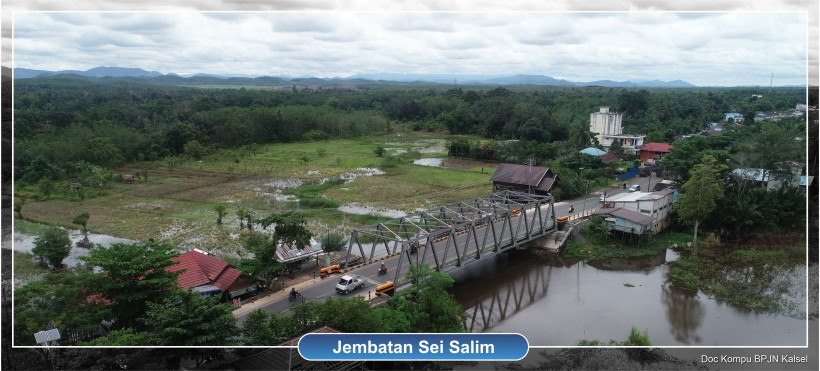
(59, 121)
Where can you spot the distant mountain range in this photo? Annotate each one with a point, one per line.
(153, 77)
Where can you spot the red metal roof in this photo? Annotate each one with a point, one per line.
(608, 157)
(656, 147)
(202, 269)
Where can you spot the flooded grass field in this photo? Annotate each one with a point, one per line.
(176, 204)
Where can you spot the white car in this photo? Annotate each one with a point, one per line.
(635, 188)
(349, 283)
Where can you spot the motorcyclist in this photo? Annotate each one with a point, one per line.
(382, 267)
(293, 293)
(571, 208)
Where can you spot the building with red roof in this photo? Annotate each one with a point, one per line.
(654, 150)
(210, 276)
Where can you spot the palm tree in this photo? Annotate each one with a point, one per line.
(579, 135)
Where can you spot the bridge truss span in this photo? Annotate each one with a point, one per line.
(451, 236)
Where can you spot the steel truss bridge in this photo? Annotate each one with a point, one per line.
(450, 237)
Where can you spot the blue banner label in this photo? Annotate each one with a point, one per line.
(411, 347)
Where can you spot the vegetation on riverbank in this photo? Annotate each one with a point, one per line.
(768, 279)
(635, 338)
(595, 247)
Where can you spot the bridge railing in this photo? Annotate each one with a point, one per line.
(450, 236)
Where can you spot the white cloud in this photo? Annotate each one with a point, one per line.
(582, 46)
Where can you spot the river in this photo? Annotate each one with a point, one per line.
(555, 301)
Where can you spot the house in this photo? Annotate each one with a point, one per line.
(607, 127)
(736, 117)
(654, 150)
(646, 212)
(522, 178)
(210, 276)
(762, 177)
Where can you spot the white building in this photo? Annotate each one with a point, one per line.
(607, 127)
(639, 212)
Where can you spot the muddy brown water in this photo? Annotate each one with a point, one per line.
(557, 302)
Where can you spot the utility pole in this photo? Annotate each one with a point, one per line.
(529, 176)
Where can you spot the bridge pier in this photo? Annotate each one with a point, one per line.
(555, 242)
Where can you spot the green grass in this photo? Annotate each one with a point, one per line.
(27, 227)
(616, 248)
(25, 267)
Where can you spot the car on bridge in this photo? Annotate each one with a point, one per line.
(349, 283)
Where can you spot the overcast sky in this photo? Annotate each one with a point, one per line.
(703, 48)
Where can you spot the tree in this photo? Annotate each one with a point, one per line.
(103, 152)
(194, 149)
(263, 265)
(220, 212)
(333, 242)
(290, 228)
(616, 148)
(52, 245)
(46, 188)
(188, 319)
(700, 194)
(135, 275)
(533, 129)
(82, 219)
(394, 321)
(379, 151)
(58, 300)
(349, 315)
(18, 207)
(122, 337)
(427, 304)
(579, 135)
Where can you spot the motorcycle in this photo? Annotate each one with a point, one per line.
(413, 248)
(382, 270)
(571, 208)
(295, 296)
(323, 275)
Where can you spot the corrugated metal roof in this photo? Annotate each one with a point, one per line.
(608, 157)
(288, 252)
(202, 269)
(593, 151)
(524, 175)
(622, 213)
(519, 174)
(656, 147)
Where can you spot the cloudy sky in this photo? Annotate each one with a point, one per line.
(741, 45)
